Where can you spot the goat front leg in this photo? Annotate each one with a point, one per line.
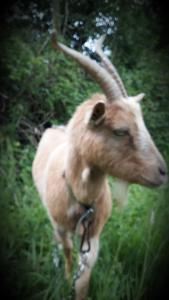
(63, 237)
(82, 283)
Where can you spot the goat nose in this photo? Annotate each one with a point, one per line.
(162, 171)
(162, 168)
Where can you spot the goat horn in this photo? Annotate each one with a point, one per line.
(106, 63)
(102, 77)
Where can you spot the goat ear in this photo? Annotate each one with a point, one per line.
(138, 97)
(97, 113)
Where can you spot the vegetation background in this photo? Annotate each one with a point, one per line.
(40, 87)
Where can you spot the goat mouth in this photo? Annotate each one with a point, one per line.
(150, 183)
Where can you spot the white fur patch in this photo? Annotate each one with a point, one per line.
(85, 174)
(144, 139)
(71, 211)
(120, 192)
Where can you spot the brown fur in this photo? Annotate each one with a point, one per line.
(84, 145)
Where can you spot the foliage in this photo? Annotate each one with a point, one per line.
(42, 85)
(132, 243)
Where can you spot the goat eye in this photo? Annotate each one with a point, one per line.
(120, 132)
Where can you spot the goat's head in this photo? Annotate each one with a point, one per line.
(115, 138)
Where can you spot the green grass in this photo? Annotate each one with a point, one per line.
(132, 247)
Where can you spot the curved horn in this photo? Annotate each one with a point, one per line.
(108, 65)
(102, 77)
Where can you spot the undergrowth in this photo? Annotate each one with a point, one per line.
(131, 246)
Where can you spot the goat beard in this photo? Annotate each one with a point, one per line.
(120, 192)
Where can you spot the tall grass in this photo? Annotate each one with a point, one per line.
(133, 244)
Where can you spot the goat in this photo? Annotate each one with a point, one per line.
(105, 136)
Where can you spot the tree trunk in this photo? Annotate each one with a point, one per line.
(56, 15)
